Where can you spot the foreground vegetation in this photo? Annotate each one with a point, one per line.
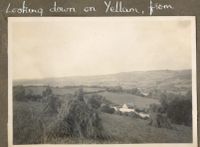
(41, 115)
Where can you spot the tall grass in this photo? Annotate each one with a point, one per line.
(28, 127)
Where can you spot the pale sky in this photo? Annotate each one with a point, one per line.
(59, 47)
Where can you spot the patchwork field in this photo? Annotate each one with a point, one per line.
(116, 98)
(124, 98)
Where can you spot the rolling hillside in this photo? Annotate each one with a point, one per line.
(170, 80)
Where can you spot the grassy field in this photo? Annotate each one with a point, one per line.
(124, 98)
(133, 130)
(125, 130)
(121, 129)
(117, 98)
(31, 122)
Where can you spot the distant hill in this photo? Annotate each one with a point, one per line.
(170, 80)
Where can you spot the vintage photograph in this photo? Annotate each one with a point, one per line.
(102, 80)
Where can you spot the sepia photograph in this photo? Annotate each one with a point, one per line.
(102, 80)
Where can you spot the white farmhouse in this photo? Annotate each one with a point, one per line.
(125, 108)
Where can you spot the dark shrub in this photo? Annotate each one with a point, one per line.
(180, 111)
(136, 91)
(141, 110)
(34, 97)
(19, 93)
(178, 108)
(31, 96)
(107, 109)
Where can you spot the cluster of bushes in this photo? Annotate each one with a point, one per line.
(33, 97)
(95, 101)
(107, 109)
(115, 89)
(180, 112)
(20, 94)
(178, 108)
(119, 89)
(156, 93)
(134, 91)
(48, 91)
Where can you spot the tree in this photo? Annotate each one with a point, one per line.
(177, 107)
(180, 111)
(47, 91)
